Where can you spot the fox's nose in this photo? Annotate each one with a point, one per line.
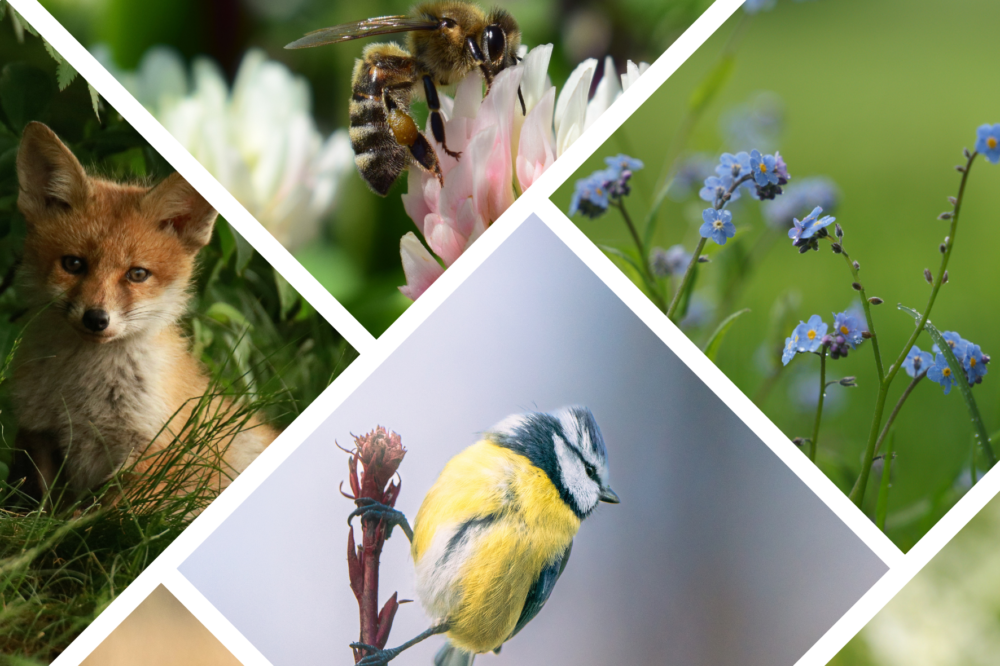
(96, 320)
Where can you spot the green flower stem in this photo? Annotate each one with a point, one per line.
(895, 411)
(819, 405)
(858, 492)
(868, 313)
(643, 259)
(882, 506)
(682, 287)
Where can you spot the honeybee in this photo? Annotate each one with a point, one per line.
(444, 42)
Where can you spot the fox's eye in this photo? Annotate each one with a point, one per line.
(73, 265)
(137, 274)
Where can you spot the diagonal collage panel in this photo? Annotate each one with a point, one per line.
(717, 553)
(740, 549)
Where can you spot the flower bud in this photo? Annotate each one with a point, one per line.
(848, 381)
(836, 247)
(952, 200)
(855, 286)
(867, 335)
(703, 259)
(826, 340)
(943, 248)
(945, 216)
(799, 441)
(959, 168)
(875, 300)
(965, 151)
(986, 358)
(928, 276)
(839, 230)
(944, 280)
(857, 266)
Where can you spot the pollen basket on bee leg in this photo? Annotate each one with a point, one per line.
(403, 127)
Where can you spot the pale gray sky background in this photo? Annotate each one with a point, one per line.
(718, 554)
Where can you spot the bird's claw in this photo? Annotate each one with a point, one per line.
(368, 510)
(375, 656)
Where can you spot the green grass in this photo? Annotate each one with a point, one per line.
(881, 97)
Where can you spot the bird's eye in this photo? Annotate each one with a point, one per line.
(73, 265)
(494, 42)
(591, 470)
(137, 274)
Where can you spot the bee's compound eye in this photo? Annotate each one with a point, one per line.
(494, 42)
(73, 265)
(448, 23)
(137, 274)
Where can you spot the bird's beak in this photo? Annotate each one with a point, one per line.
(609, 496)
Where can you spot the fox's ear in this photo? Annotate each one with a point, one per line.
(179, 209)
(49, 175)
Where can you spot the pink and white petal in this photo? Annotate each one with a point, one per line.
(608, 90)
(420, 268)
(422, 191)
(632, 73)
(537, 146)
(443, 239)
(571, 105)
(535, 80)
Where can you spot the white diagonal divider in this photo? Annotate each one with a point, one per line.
(213, 620)
(198, 176)
(374, 352)
(721, 385)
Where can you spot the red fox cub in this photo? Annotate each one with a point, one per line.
(103, 376)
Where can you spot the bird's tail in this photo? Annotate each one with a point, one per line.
(449, 655)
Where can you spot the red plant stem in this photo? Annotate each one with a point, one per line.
(368, 603)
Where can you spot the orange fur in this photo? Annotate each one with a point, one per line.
(97, 400)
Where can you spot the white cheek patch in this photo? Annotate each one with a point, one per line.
(574, 475)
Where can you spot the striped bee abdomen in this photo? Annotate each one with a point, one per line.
(384, 137)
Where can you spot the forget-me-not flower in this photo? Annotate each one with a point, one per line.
(941, 373)
(917, 362)
(763, 167)
(847, 325)
(718, 225)
(808, 335)
(974, 364)
(988, 142)
(590, 196)
(716, 187)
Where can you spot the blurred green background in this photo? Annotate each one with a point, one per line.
(881, 97)
(357, 254)
(949, 613)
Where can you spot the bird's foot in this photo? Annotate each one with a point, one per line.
(375, 656)
(369, 510)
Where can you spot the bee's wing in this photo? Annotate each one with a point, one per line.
(382, 25)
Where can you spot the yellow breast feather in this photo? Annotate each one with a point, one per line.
(525, 526)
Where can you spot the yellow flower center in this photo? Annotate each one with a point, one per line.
(763, 168)
(717, 224)
(843, 329)
(972, 362)
(811, 334)
(946, 372)
(599, 191)
(991, 142)
(951, 343)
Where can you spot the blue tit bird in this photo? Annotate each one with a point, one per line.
(495, 531)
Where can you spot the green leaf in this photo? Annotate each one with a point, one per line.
(227, 239)
(634, 263)
(3, 8)
(25, 93)
(244, 252)
(95, 100)
(711, 84)
(227, 315)
(958, 372)
(287, 295)
(24, 24)
(715, 342)
(65, 74)
(52, 52)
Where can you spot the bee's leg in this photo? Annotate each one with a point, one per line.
(406, 134)
(381, 657)
(520, 97)
(484, 65)
(437, 120)
(370, 510)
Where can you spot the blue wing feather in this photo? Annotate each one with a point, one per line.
(541, 589)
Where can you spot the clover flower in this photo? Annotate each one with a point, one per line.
(665, 263)
(257, 138)
(799, 197)
(988, 142)
(717, 225)
(917, 362)
(501, 151)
